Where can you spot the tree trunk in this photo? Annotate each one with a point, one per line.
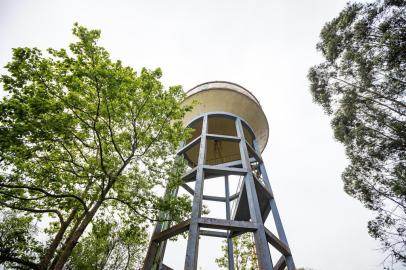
(57, 239)
(72, 241)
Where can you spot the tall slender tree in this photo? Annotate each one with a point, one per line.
(362, 85)
(85, 145)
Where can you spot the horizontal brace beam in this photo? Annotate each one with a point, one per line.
(213, 233)
(236, 233)
(281, 264)
(223, 224)
(188, 146)
(172, 231)
(190, 175)
(214, 198)
(205, 197)
(224, 170)
(276, 243)
(236, 163)
(218, 137)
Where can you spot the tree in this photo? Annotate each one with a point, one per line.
(245, 257)
(85, 145)
(108, 246)
(361, 84)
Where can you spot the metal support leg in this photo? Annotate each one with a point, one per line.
(230, 248)
(261, 244)
(162, 247)
(275, 213)
(156, 251)
(193, 239)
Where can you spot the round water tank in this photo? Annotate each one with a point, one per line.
(227, 97)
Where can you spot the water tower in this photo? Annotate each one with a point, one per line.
(230, 132)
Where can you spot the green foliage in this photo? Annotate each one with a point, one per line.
(110, 246)
(16, 240)
(362, 85)
(245, 257)
(83, 137)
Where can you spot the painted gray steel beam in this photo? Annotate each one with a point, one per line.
(213, 233)
(218, 137)
(168, 233)
(193, 237)
(234, 196)
(223, 224)
(205, 197)
(213, 198)
(212, 172)
(276, 243)
(237, 163)
(222, 171)
(261, 244)
(188, 146)
(239, 199)
(275, 213)
(188, 189)
(241, 212)
(150, 256)
(230, 248)
(280, 264)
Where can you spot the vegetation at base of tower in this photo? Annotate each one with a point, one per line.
(85, 145)
(245, 257)
(362, 85)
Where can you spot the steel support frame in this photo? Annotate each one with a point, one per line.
(230, 248)
(262, 236)
(261, 244)
(274, 209)
(193, 237)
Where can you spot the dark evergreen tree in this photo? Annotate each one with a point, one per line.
(361, 84)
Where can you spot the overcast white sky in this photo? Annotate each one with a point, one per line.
(267, 47)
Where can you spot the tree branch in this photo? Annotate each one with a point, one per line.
(129, 205)
(34, 210)
(8, 258)
(47, 193)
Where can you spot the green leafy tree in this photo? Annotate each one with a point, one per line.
(110, 246)
(245, 256)
(85, 145)
(361, 84)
